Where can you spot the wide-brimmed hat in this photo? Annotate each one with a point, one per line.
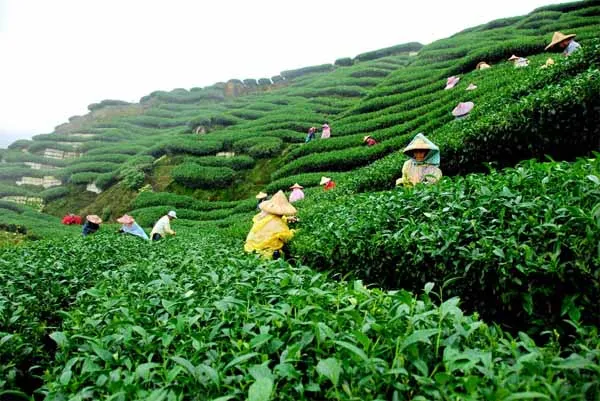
(126, 219)
(471, 87)
(324, 180)
(172, 214)
(559, 37)
(366, 137)
(482, 65)
(463, 108)
(451, 82)
(93, 218)
(325, 125)
(261, 195)
(419, 142)
(513, 58)
(279, 205)
(296, 186)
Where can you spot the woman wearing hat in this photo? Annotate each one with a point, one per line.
(260, 197)
(451, 82)
(422, 167)
(270, 231)
(565, 42)
(462, 109)
(129, 226)
(327, 183)
(482, 65)
(311, 134)
(163, 226)
(369, 140)
(92, 224)
(519, 62)
(326, 133)
(297, 193)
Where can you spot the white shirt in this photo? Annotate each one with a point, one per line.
(162, 227)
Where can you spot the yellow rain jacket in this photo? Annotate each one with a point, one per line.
(268, 234)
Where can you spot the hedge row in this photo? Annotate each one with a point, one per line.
(193, 175)
(515, 246)
(186, 146)
(388, 51)
(236, 162)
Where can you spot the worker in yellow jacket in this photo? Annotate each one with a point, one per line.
(270, 230)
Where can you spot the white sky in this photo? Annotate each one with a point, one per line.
(58, 56)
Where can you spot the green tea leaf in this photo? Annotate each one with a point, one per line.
(418, 336)
(354, 349)
(59, 338)
(526, 395)
(330, 368)
(261, 389)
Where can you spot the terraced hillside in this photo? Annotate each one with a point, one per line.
(230, 140)
(484, 286)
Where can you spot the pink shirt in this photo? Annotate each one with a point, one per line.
(296, 195)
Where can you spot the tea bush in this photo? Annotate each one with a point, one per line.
(516, 245)
(193, 175)
(236, 162)
(99, 321)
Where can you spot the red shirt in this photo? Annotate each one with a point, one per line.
(329, 185)
(371, 142)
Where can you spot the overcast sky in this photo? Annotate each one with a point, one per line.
(58, 56)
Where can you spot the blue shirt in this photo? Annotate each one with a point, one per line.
(134, 229)
(571, 47)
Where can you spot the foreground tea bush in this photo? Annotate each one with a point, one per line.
(209, 321)
(516, 245)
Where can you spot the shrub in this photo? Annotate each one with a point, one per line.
(236, 162)
(51, 194)
(276, 79)
(20, 144)
(105, 103)
(106, 180)
(262, 145)
(343, 62)
(264, 81)
(250, 82)
(291, 74)
(517, 244)
(83, 178)
(388, 51)
(193, 175)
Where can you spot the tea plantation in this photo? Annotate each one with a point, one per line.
(485, 286)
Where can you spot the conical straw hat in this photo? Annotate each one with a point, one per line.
(93, 218)
(471, 87)
(278, 205)
(261, 195)
(513, 57)
(296, 186)
(125, 219)
(366, 137)
(451, 82)
(482, 65)
(559, 37)
(419, 142)
(462, 108)
(324, 180)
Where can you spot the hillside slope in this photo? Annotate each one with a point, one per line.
(182, 141)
